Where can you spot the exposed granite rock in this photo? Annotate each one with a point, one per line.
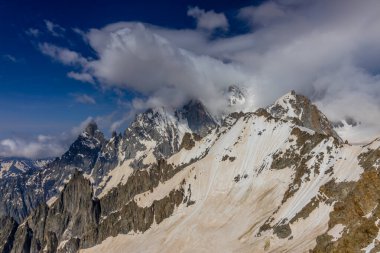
(356, 207)
(23, 194)
(187, 141)
(95, 156)
(20, 189)
(282, 230)
(7, 233)
(107, 158)
(78, 220)
(73, 214)
(140, 181)
(199, 120)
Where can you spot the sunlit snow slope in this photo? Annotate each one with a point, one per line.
(261, 182)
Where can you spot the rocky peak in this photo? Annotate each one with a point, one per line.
(235, 95)
(293, 106)
(346, 122)
(92, 131)
(15, 166)
(199, 120)
(91, 128)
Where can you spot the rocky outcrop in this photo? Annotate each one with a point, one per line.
(299, 108)
(73, 214)
(108, 158)
(20, 193)
(199, 120)
(78, 220)
(357, 209)
(24, 193)
(8, 227)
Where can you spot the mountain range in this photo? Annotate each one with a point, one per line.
(275, 179)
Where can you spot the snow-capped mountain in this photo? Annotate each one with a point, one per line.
(278, 179)
(19, 193)
(12, 167)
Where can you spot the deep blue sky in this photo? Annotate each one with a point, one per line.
(36, 96)
(327, 50)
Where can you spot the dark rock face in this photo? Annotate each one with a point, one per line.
(187, 141)
(78, 220)
(71, 215)
(107, 158)
(152, 125)
(199, 119)
(20, 195)
(92, 154)
(7, 233)
(24, 192)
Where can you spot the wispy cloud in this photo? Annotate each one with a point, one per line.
(63, 55)
(84, 99)
(54, 29)
(34, 32)
(208, 20)
(10, 58)
(83, 77)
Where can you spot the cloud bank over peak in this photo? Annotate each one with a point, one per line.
(138, 58)
(328, 50)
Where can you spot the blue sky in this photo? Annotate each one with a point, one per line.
(63, 63)
(36, 96)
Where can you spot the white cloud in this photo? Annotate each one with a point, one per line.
(84, 99)
(83, 77)
(328, 50)
(136, 57)
(32, 149)
(41, 146)
(54, 29)
(263, 14)
(62, 55)
(208, 20)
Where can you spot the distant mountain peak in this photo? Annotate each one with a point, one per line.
(199, 119)
(236, 95)
(293, 106)
(91, 129)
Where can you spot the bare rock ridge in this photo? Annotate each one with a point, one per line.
(78, 220)
(300, 108)
(275, 180)
(156, 131)
(20, 193)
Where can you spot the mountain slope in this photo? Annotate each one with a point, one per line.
(20, 193)
(277, 179)
(259, 187)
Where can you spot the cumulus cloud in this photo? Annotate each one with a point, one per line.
(33, 149)
(41, 146)
(137, 58)
(54, 29)
(328, 50)
(84, 99)
(263, 14)
(208, 20)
